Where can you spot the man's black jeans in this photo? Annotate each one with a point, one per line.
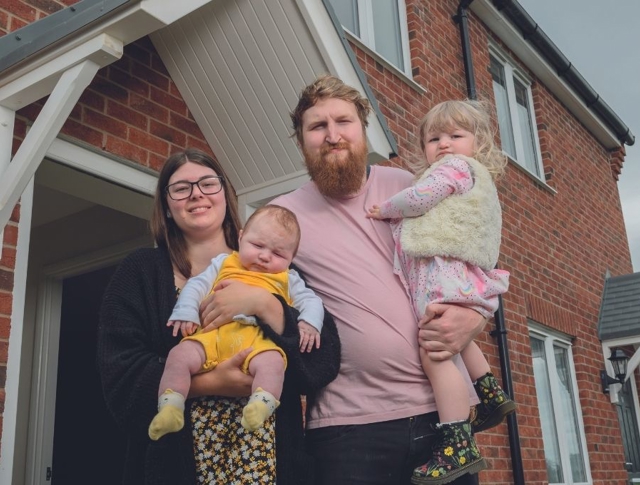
(375, 454)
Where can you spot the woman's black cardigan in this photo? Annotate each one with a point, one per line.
(133, 343)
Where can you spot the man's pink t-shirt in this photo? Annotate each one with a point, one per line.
(347, 260)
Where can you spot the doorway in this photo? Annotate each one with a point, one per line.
(88, 447)
(630, 434)
(82, 225)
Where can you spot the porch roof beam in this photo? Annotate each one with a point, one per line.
(46, 127)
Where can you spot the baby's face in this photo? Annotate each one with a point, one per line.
(266, 247)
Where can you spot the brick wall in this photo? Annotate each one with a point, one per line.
(558, 241)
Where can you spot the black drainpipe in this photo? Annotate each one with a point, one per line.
(500, 331)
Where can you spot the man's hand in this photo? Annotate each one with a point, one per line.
(447, 329)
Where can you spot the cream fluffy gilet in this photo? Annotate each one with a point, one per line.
(463, 226)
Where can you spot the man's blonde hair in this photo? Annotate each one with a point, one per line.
(328, 87)
(472, 116)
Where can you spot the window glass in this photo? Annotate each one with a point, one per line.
(502, 107)
(347, 12)
(571, 424)
(526, 128)
(386, 29)
(547, 417)
(562, 427)
(380, 25)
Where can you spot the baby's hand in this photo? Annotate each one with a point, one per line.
(374, 213)
(185, 328)
(309, 336)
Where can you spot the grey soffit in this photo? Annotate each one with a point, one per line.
(620, 308)
(19, 45)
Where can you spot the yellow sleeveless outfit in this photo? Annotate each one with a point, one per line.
(226, 341)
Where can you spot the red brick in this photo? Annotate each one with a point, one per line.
(127, 115)
(183, 123)
(46, 6)
(167, 133)
(8, 259)
(83, 132)
(104, 123)
(6, 302)
(11, 234)
(151, 76)
(149, 108)
(150, 142)
(168, 101)
(6, 280)
(20, 10)
(126, 150)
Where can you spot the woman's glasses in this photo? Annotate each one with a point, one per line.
(208, 186)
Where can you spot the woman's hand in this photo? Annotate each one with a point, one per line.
(447, 329)
(226, 379)
(231, 298)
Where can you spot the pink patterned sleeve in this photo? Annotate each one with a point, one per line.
(452, 177)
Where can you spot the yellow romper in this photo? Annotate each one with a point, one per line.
(224, 342)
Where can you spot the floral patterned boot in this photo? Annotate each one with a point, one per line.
(494, 404)
(455, 454)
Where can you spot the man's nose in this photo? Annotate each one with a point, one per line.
(333, 133)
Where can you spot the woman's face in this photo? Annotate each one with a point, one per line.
(198, 215)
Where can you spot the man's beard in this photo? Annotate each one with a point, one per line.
(334, 175)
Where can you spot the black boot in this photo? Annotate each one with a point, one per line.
(494, 404)
(454, 455)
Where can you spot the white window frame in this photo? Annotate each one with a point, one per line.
(511, 71)
(367, 35)
(551, 338)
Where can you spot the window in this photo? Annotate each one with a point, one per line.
(516, 119)
(560, 417)
(381, 25)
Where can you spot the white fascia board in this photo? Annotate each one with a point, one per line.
(33, 85)
(339, 64)
(129, 176)
(126, 26)
(546, 74)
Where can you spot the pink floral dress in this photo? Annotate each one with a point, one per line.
(441, 279)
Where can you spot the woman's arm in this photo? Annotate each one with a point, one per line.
(133, 342)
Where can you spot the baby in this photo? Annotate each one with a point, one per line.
(267, 245)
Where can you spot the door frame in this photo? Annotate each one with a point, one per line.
(46, 346)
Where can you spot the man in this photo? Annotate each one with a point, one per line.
(373, 424)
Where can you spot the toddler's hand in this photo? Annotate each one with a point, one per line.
(374, 213)
(309, 336)
(185, 328)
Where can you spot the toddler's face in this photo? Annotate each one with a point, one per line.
(266, 247)
(454, 140)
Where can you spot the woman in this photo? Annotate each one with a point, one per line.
(134, 341)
